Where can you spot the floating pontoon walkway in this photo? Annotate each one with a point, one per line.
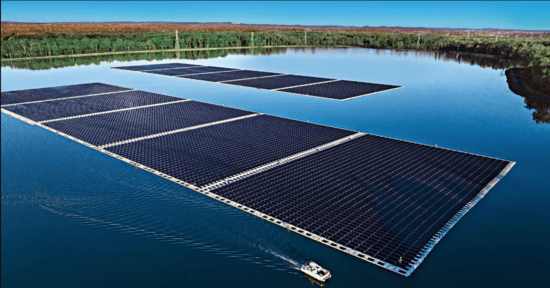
(304, 85)
(382, 200)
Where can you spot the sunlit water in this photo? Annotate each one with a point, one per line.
(71, 216)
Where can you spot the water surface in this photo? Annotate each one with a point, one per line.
(71, 216)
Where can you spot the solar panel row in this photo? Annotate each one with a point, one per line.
(114, 127)
(85, 105)
(229, 76)
(381, 199)
(339, 89)
(189, 70)
(208, 154)
(156, 66)
(327, 88)
(30, 95)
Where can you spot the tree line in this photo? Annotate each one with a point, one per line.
(532, 51)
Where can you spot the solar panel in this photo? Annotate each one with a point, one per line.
(41, 94)
(234, 75)
(85, 105)
(119, 126)
(340, 89)
(156, 66)
(193, 70)
(211, 153)
(278, 81)
(379, 196)
(295, 84)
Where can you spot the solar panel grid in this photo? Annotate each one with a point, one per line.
(216, 77)
(29, 95)
(387, 240)
(86, 105)
(155, 66)
(191, 70)
(351, 190)
(278, 82)
(219, 151)
(119, 126)
(336, 89)
(340, 90)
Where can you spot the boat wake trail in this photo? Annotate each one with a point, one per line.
(295, 264)
(179, 217)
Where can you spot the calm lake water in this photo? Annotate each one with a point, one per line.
(74, 217)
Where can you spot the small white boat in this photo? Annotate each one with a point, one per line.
(315, 271)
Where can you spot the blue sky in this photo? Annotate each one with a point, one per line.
(491, 14)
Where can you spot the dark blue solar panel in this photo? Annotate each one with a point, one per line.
(212, 153)
(119, 126)
(382, 197)
(242, 74)
(339, 89)
(184, 71)
(156, 66)
(86, 105)
(278, 81)
(22, 96)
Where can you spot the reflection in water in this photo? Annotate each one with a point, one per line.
(42, 64)
(485, 61)
(526, 82)
(533, 84)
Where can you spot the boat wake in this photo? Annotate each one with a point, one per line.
(178, 218)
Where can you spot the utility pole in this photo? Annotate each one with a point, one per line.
(252, 44)
(177, 45)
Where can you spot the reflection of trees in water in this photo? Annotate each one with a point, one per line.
(460, 57)
(526, 82)
(533, 84)
(484, 61)
(41, 64)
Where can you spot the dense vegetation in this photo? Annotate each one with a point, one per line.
(531, 51)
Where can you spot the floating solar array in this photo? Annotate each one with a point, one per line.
(295, 84)
(383, 200)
